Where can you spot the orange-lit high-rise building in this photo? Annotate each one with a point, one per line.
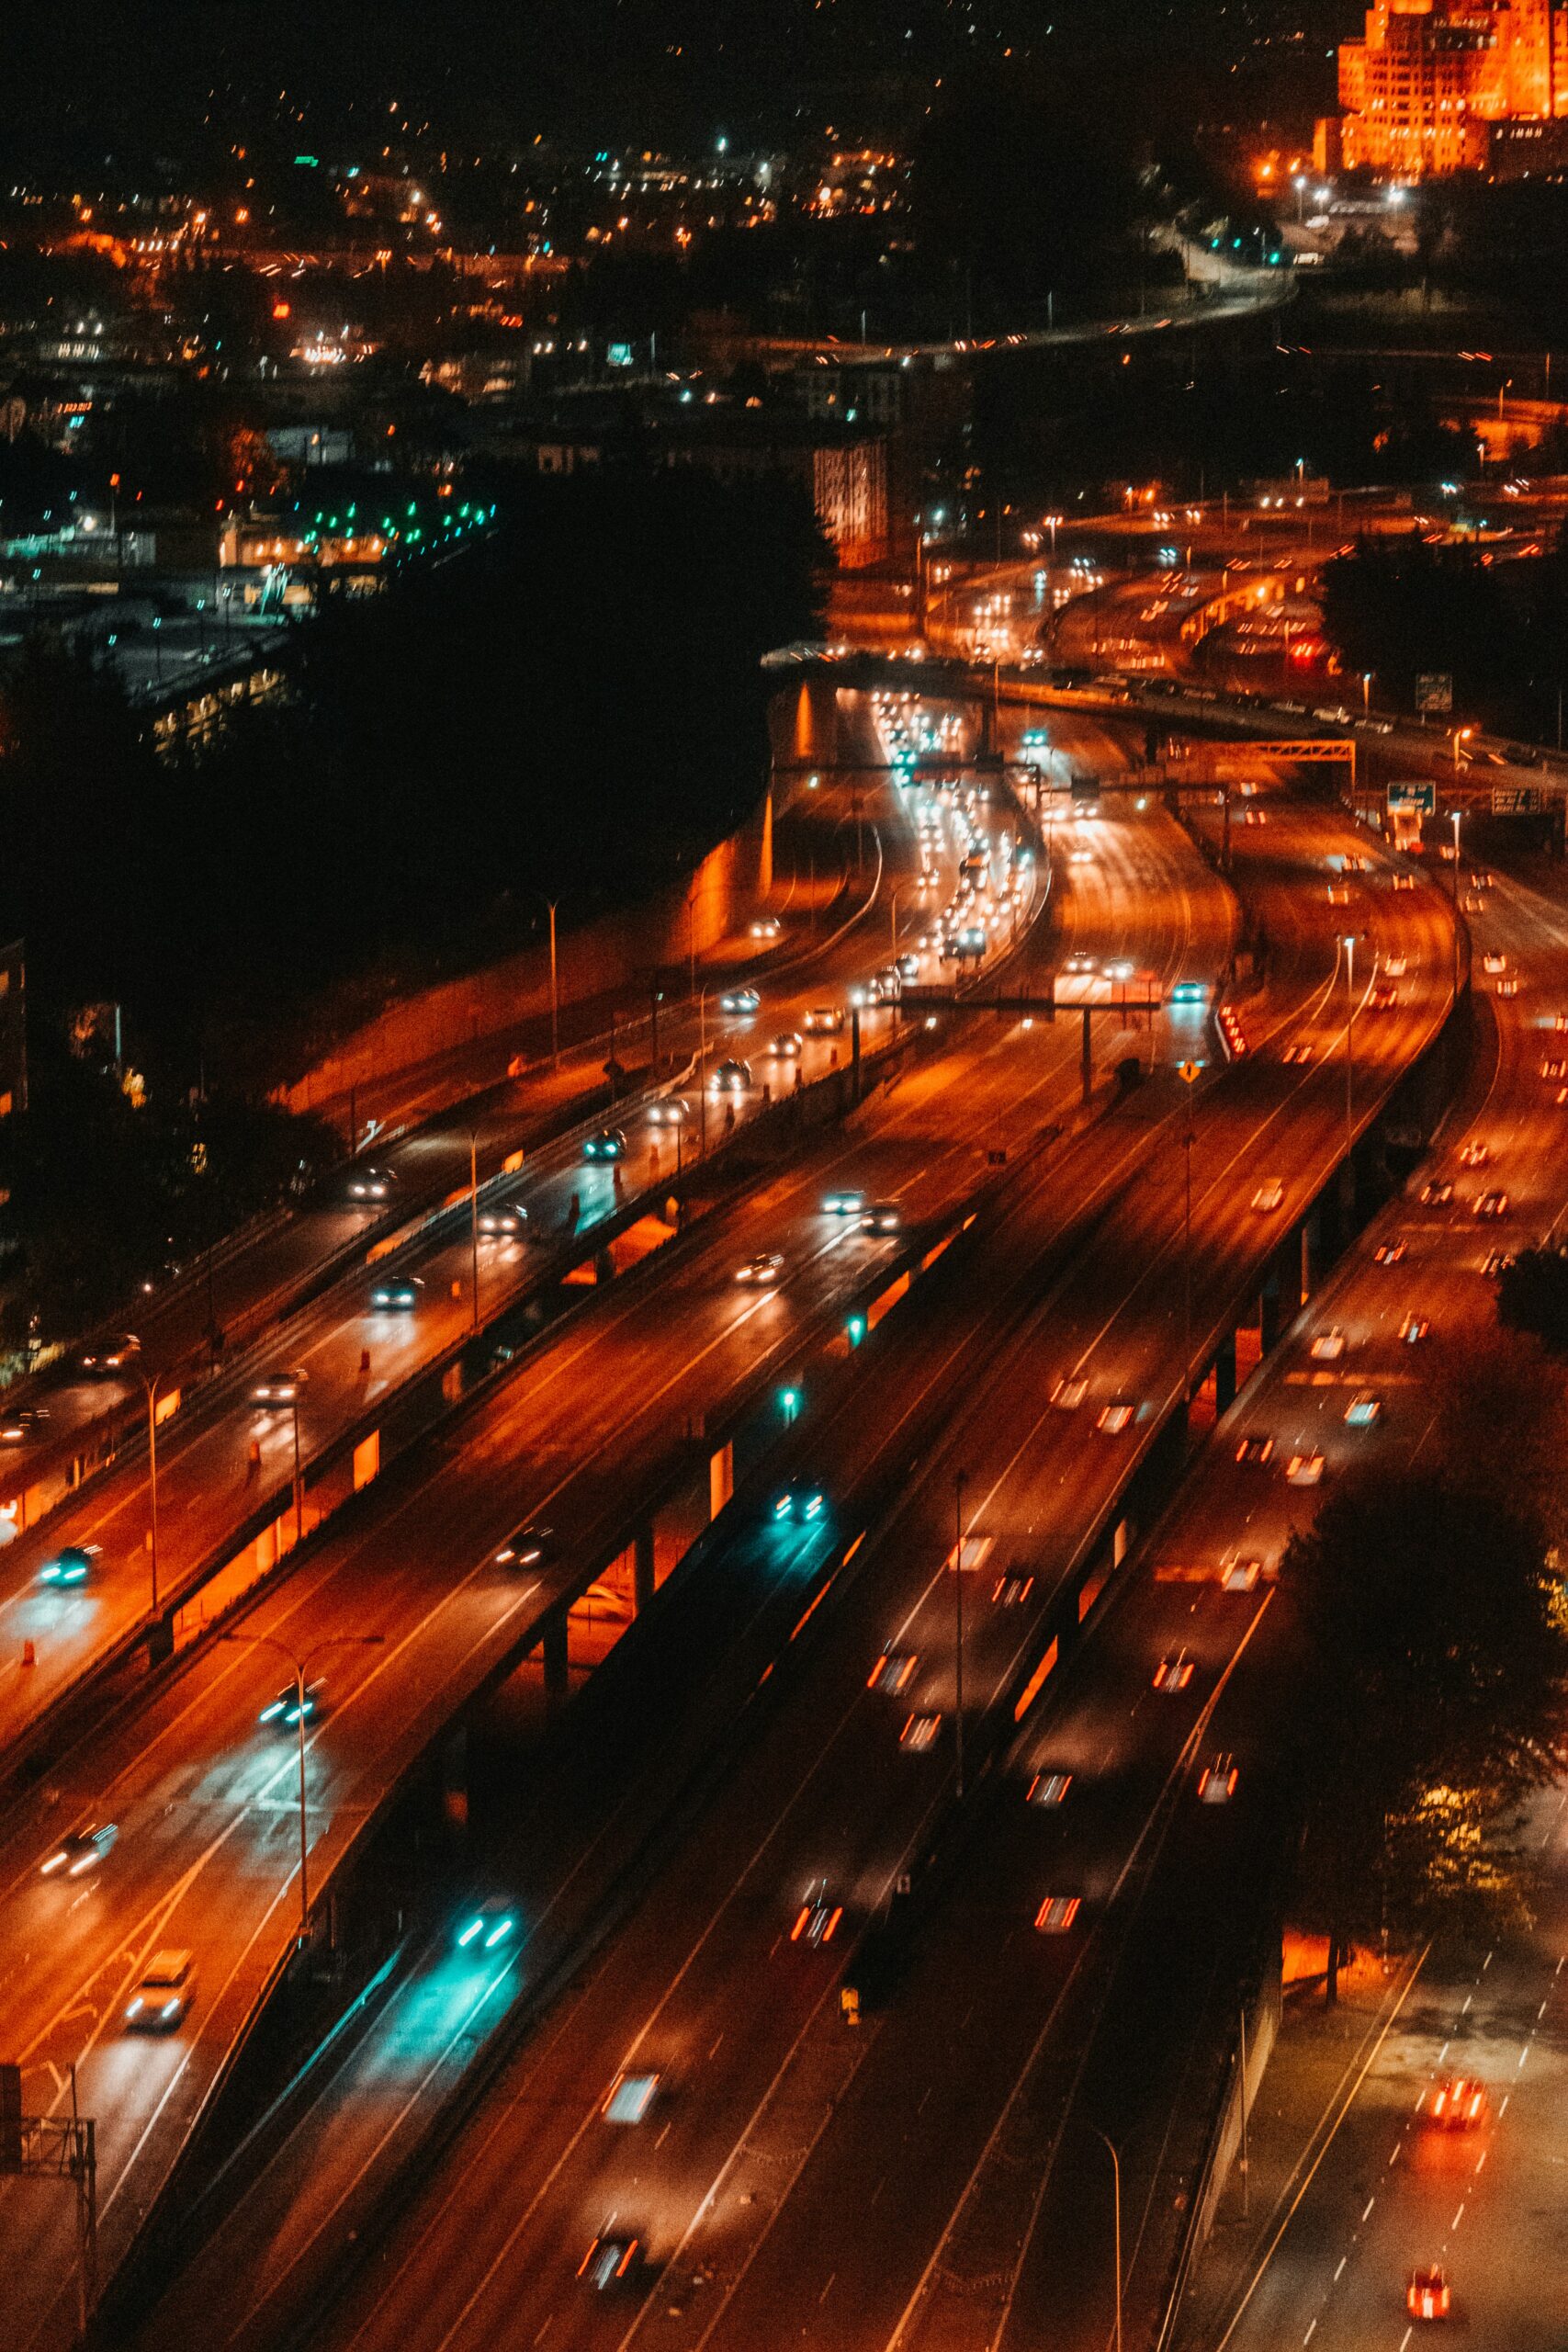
(1429, 77)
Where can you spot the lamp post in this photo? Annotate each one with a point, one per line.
(150, 1382)
(1456, 815)
(298, 1666)
(1189, 1072)
(703, 1072)
(474, 1222)
(960, 1481)
(1347, 941)
(1116, 2214)
(552, 904)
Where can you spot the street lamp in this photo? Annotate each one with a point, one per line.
(1189, 1072)
(1347, 941)
(298, 1667)
(1456, 814)
(1461, 735)
(555, 982)
(960, 1481)
(1116, 2210)
(474, 1221)
(150, 1382)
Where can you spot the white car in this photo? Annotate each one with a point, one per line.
(1269, 1197)
(1328, 1346)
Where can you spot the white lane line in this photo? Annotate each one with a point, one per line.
(1394, 2154)
(1480, 2160)
(1504, 2108)
(826, 2290)
(1458, 2217)
(1368, 2207)
(1523, 2056)
(1340, 2272)
(1310, 2333)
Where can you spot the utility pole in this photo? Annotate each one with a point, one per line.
(961, 1480)
(474, 1221)
(1116, 2210)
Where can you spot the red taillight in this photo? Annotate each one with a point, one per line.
(798, 1929)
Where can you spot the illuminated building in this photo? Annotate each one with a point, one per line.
(1422, 89)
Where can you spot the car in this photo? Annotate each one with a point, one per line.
(824, 1020)
(846, 1201)
(1114, 1418)
(1012, 1590)
(881, 1216)
(767, 927)
(1438, 1194)
(1068, 1395)
(1481, 879)
(487, 1928)
(1338, 894)
(1491, 1205)
(610, 1143)
(1395, 967)
(400, 1292)
(1057, 1914)
(1363, 1410)
(1240, 1575)
(72, 1564)
(631, 2096)
(816, 1921)
(1298, 1055)
(1269, 1196)
(1216, 1782)
(1049, 1789)
(116, 1354)
(608, 2261)
(1174, 1673)
(278, 1388)
(1404, 881)
(1427, 2296)
(1498, 1261)
(1473, 903)
(1305, 1469)
(507, 1221)
(286, 1714)
(163, 1995)
(799, 1506)
(79, 1851)
(371, 1184)
(920, 1732)
(909, 965)
(1328, 1346)
(1414, 1328)
(1494, 961)
(1079, 965)
(1255, 1449)
(762, 1272)
(894, 1671)
(1510, 988)
(1552, 1070)
(1388, 1253)
(731, 1078)
(1457, 2102)
(23, 1422)
(1383, 998)
(531, 1547)
(788, 1046)
(740, 1000)
(670, 1111)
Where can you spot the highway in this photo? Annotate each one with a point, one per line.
(204, 1798)
(741, 2196)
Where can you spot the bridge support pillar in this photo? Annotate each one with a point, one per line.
(455, 1778)
(1086, 1061)
(1309, 1257)
(1269, 1314)
(555, 1647)
(1224, 1378)
(642, 1567)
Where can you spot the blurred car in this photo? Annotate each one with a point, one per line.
(529, 1548)
(846, 1202)
(1508, 988)
(1057, 1914)
(762, 1272)
(1113, 1418)
(816, 1921)
(1475, 1154)
(1256, 1448)
(72, 1564)
(631, 2096)
(286, 1711)
(24, 1423)
(1494, 961)
(1383, 998)
(799, 1506)
(788, 1046)
(116, 1354)
(1174, 1673)
(1388, 1253)
(1269, 1196)
(506, 1222)
(1363, 1410)
(881, 1216)
(824, 1021)
(1328, 1346)
(1457, 2102)
(279, 1388)
(1305, 1469)
(1216, 1782)
(920, 1732)
(397, 1291)
(162, 1996)
(1078, 963)
(909, 965)
(1010, 1592)
(893, 1672)
(1068, 1395)
(1427, 2296)
(1049, 1790)
(610, 1143)
(1438, 1194)
(1497, 1261)
(670, 1111)
(731, 1078)
(767, 927)
(1395, 967)
(79, 1851)
(1298, 1055)
(371, 1184)
(487, 1928)
(1491, 1205)
(1414, 1328)
(740, 1000)
(1240, 1575)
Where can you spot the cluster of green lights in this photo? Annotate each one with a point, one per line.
(408, 530)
